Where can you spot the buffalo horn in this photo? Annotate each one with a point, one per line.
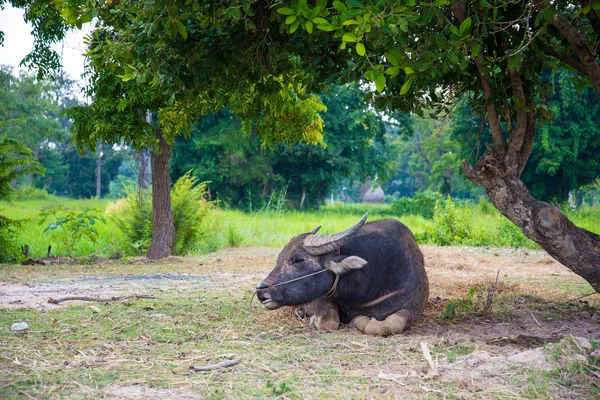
(322, 244)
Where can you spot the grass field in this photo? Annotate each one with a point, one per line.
(231, 228)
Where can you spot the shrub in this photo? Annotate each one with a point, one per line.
(189, 208)
(8, 245)
(30, 192)
(510, 236)
(451, 226)
(422, 203)
(70, 226)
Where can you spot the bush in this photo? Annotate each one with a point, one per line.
(8, 245)
(510, 236)
(69, 227)
(450, 223)
(30, 192)
(189, 207)
(422, 203)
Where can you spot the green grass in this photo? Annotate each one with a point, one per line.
(274, 228)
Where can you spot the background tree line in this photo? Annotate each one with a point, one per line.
(405, 153)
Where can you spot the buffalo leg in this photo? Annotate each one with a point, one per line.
(393, 324)
(323, 313)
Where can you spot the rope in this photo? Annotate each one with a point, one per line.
(329, 293)
(293, 280)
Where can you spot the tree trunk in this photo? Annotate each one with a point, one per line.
(574, 247)
(142, 182)
(163, 230)
(499, 173)
(302, 198)
(99, 170)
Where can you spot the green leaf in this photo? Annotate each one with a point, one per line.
(349, 37)
(406, 87)
(360, 49)
(596, 5)
(294, 26)
(319, 20)
(289, 20)
(338, 5)
(351, 22)
(380, 83)
(309, 26)
(409, 71)
(325, 27)
(454, 30)
(465, 26)
(181, 29)
(285, 11)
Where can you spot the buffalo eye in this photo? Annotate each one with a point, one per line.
(298, 260)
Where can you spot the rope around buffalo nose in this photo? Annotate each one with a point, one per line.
(329, 293)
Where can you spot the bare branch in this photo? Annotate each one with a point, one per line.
(222, 364)
(98, 299)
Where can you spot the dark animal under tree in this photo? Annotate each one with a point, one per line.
(371, 276)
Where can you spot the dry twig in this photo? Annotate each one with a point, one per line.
(222, 364)
(99, 299)
(431, 367)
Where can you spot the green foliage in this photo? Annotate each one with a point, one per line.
(245, 175)
(15, 162)
(511, 236)
(189, 208)
(69, 227)
(30, 192)
(8, 244)
(423, 203)
(451, 225)
(457, 307)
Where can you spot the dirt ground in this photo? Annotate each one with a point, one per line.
(536, 302)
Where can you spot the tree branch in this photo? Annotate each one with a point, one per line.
(592, 17)
(577, 42)
(567, 60)
(222, 364)
(458, 10)
(99, 299)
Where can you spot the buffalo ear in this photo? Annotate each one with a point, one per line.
(346, 265)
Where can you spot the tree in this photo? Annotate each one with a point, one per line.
(417, 54)
(358, 147)
(245, 175)
(27, 112)
(431, 157)
(423, 54)
(15, 161)
(564, 155)
(174, 59)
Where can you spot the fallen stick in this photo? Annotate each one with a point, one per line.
(222, 364)
(99, 299)
(431, 366)
(93, 254)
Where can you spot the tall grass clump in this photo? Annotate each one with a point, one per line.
(189, 207)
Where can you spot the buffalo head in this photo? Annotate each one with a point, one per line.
(307, 267)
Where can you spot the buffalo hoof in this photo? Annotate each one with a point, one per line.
(393, 324)
(325, 322)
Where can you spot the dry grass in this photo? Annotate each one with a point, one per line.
(143, 348)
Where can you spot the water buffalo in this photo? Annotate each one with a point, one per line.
(371, 275)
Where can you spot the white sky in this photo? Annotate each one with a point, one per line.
(18, 42)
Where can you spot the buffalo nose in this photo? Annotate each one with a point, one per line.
(261, 285)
